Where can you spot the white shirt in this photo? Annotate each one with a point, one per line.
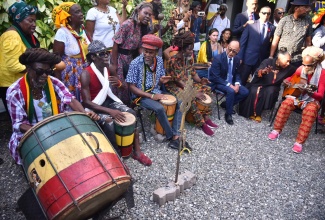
(220, 24)
(103, 31)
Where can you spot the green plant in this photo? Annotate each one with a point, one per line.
(272, 1)
(168, 6)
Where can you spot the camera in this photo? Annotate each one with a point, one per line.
(201, 13)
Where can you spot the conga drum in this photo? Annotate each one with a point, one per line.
(72, 166)
(202, 105)
(170, 107)
(124, 133)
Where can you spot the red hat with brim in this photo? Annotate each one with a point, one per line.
(151, 42)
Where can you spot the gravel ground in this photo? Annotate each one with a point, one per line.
(240, 175)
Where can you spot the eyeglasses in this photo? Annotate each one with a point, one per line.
(308, 65)
(103, 54)
(232, 51)
(42, 71)
(280, 12)
(266, 13)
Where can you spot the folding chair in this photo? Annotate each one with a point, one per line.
(219, 96)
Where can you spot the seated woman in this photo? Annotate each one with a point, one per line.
(27, 96)
(208, 50)
(225, 38)
(179, 67)
(311, 74)
(265, 86)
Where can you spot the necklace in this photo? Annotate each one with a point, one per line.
(37, 94)
(105, 12)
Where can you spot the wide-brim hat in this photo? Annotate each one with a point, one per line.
(97, 46)
(151, 42)
(300, 2)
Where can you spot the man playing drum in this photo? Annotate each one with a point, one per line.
(97, 95)
(178, 68)
(34, 96)
(145, 76)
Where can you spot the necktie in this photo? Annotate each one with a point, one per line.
(262, 32)
(229, 76)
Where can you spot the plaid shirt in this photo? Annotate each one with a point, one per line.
(16, 106)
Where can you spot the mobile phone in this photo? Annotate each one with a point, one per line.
(201, 13)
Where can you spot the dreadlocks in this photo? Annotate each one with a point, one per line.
(40, 55)
(183, 39)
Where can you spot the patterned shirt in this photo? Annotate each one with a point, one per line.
(293, 33)
(16, 106)
(136, 70)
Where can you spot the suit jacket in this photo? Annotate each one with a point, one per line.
(240, 20)
(252, 49)
(219, 70)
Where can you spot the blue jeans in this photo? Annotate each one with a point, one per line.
(232, 98)
(162, 117)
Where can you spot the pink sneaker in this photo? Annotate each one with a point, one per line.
(207, 130)
(274, 135)
(211, 124)
(297, 148)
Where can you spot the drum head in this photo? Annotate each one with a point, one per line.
(169, 101)
(129, 119)
(207, 100)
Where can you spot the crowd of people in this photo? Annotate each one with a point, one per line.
(112, 65)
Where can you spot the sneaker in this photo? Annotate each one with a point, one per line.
(207, 130)
(211, 124)
(174, 144)
(297, 148)
(274, 135)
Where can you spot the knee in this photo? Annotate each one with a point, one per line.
(288, 102)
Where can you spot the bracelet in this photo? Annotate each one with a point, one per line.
(152, 96)
(270, 57)
(120, 84)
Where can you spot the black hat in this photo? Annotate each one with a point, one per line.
(300, 2)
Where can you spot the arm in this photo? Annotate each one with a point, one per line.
(58, 47)
(238, 26)
(124, 13)
(274, 45)
(210, 22)
(321, 87)
(90, 26)
(318, 40)
(308, 41)
(114, 55)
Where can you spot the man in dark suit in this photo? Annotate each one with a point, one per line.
(224, 76)
(245, 18)
(255, 43)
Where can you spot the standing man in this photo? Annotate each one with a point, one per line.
(277, 16)
(224, 76)
(294, 31)
(97, 95)
(220, 20)
(245, 18)
(255, 44)
(145, 77)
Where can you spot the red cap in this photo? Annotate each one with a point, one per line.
(152, 42)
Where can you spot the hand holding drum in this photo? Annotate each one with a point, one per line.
(117, 115)
(204, 81)
(200, 96)
(93, 115)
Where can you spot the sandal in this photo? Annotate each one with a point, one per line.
(142, 158)
(258, 119)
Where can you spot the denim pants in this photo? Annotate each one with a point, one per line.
(162, 117)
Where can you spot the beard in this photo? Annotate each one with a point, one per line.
(157, 9)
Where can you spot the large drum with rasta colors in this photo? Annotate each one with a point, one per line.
(124, 133)
(170, 107)
(202, 105)
(72, 166)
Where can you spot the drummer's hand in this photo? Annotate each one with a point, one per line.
(157, 97)
(93, 115)
(201, 96)
(165, 79)
(204, 81)
(117, 115)
(114, 80)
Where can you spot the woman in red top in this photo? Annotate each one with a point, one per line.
(310, 73)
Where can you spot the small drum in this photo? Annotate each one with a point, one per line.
(124, 133)
(202, 106)
(72, 166)
(170, 107)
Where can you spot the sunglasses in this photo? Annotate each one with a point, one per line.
(103, 54)
(308, 65)
(280, 13)
(231, 50)
(266, 13)
(42, 71)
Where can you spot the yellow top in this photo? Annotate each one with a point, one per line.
(11, 47)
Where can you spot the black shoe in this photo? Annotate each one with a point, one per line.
(229, 119)
(175, 145)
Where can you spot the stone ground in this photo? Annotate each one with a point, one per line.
(240, 175)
